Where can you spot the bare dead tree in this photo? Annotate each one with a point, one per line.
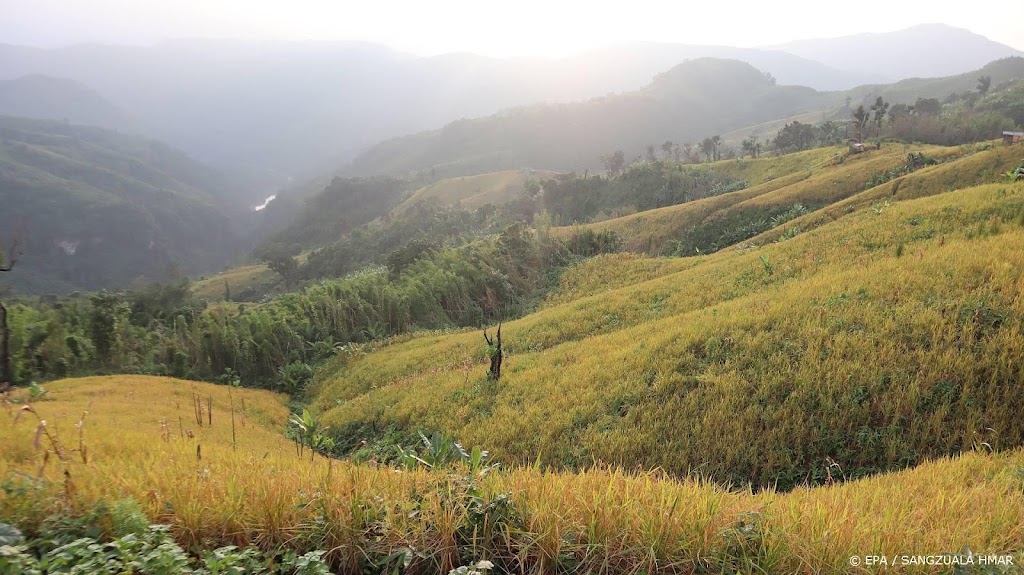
(5, 334)
(495, 354)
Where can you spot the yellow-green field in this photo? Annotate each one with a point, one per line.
(238, 279)
(474, 191)
(841, 342)
(814, 178)
(604, 520)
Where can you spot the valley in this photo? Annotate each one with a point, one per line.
(298, 307)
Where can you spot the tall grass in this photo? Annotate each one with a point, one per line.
(751, 365)
(525, 520)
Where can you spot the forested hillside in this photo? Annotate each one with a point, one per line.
(690, 101)
(48, 98)
(93, 208)
(680, 108)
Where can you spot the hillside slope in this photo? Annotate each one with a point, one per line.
(98, 209)
(753, 364)
(474, 191)
(692, 101)
(58, 99)
(235, 480)
(809, 180)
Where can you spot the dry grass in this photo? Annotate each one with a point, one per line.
(238, 279)
(474, 191)
(812, 178)
(601, 520)
(723, 364)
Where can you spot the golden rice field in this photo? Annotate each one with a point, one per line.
(888, 336)
(142, 437)
(814, 178)
(238, 279)
(475, 191)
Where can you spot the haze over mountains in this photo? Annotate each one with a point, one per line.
(926, 51)
(97, 209)
(277, 110)
(693, 100)
(233, 122)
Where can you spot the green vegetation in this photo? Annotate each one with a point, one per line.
(686, 103)
(474, 192)
(99, 209)
(640, 187)
(344, 205)
(689, 103)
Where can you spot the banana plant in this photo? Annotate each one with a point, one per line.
(307, 432)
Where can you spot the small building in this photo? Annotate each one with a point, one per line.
(1013, 137)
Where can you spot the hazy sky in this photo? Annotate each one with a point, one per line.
(509, 28)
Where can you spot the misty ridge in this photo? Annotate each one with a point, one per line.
(279, 110)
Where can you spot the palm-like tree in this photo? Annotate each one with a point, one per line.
(860, 120)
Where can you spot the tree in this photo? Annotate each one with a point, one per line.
(494, 353)
(687, 148)
(795, 136)
(984, 83)
(285, 266)
(880, 108)
(667, 148)
(103, 322)
(717, 141)
(898, 112)
(614, 162)
(5, 335)
(928, 106)
(751, 146)
(707, 147)
(860, 120)
(829, 133)
(650, 153)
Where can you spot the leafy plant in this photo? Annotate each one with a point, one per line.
(152, 552)
(231, 560)
(306, 431)
(311, 563)
(439, 450)
(14, 557)
(478, 568)
(36, 392)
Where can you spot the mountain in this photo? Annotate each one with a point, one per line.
(632, 65)
(928, 50)
(342, 206)
(44, 97)
(908, 90)
(277, 110)
(691, 101)
(472, 192)
(97, 209)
